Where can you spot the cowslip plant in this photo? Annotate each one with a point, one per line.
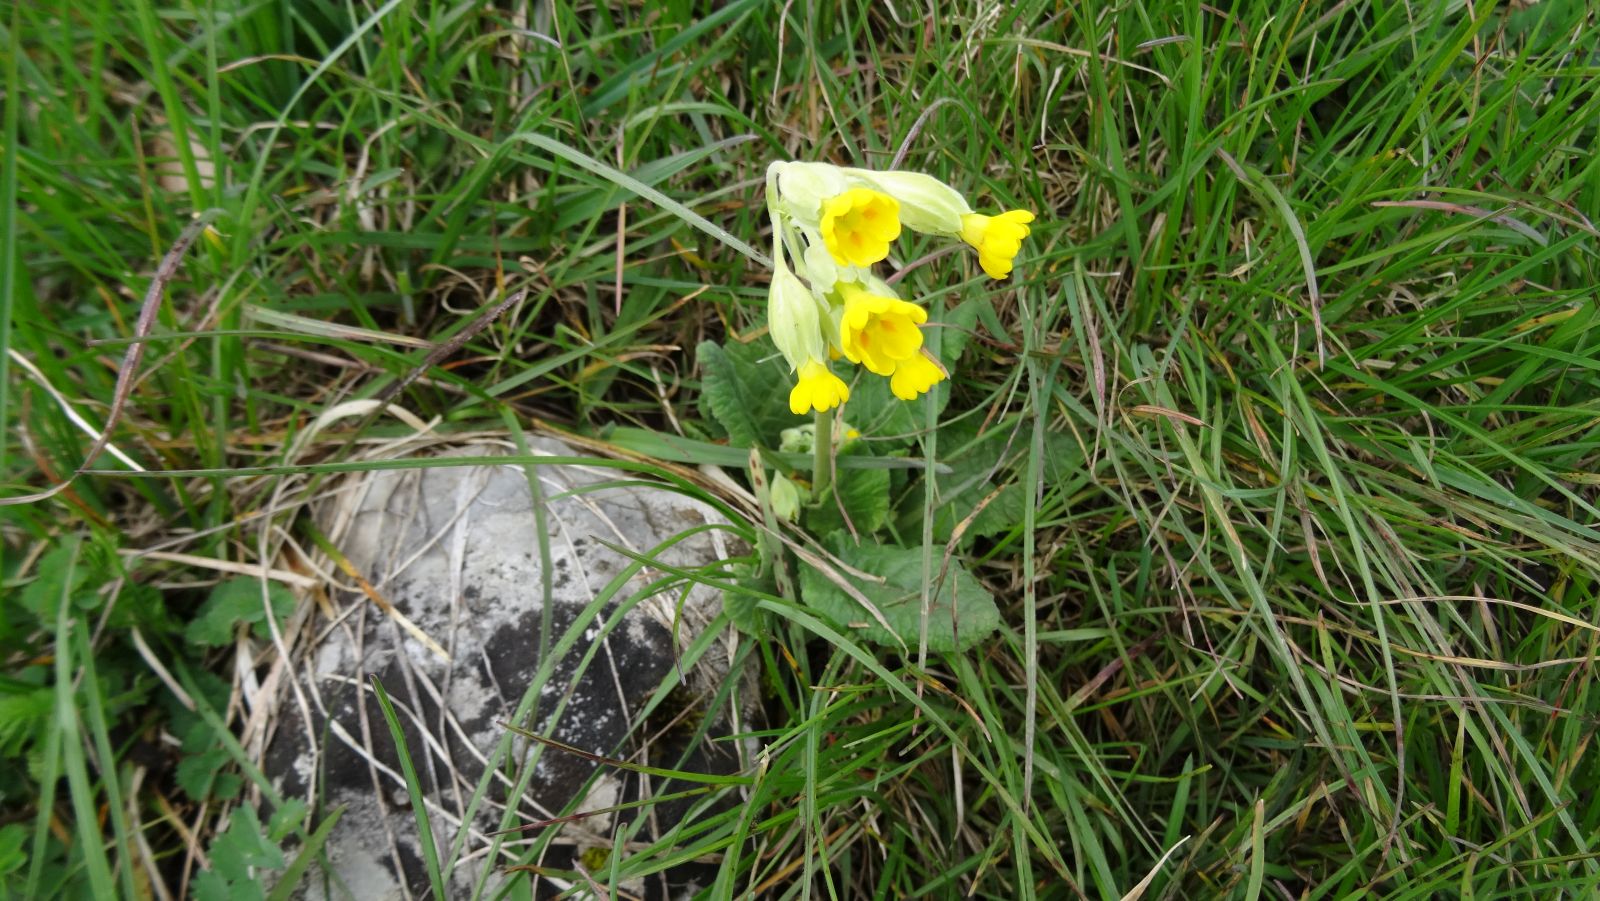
(827, 307)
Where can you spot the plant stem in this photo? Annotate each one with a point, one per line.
(822, 463)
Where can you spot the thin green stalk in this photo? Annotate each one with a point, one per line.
(822, 457)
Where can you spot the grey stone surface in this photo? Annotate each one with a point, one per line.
(456, 551)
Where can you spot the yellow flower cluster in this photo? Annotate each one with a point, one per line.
(835, 223)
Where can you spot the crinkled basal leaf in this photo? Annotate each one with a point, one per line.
(746, 393)
(1063, 461)
(961, 611)
(864, 493)
(24, 715)
(64, 570)
(1002, 513)
(12, 838)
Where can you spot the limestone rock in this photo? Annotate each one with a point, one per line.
(456, 551)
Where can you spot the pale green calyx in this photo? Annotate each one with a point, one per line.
(818, 265)
(794, 316)
(802, 187)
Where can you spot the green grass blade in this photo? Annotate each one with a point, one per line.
(419, 801)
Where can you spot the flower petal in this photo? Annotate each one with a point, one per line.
(915, 376)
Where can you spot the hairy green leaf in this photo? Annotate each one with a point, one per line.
(745, 389)
(961, 612)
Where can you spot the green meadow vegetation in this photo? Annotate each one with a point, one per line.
(1278, 454)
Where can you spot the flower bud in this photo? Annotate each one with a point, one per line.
(785, 497)
(800, 439)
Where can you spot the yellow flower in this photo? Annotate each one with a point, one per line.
(997, 238)
(876, 331)
(914, 376)
(858, 225)
(817, 388)
(926, 203)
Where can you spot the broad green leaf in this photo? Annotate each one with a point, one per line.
(744, 387)
(208, 886)
(238, 857)
(961, 611)
(949, 337)
(864, 494)
(204, 775)
(874, 411)
(309, 852)
(63, 569)
(236, 601)
(250, 841)
(286, 819)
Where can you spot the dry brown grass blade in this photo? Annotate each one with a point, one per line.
(1461, 209)
(148, 308)
(446, 349)
(377, 598)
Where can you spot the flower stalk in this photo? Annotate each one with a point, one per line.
(822, 457)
